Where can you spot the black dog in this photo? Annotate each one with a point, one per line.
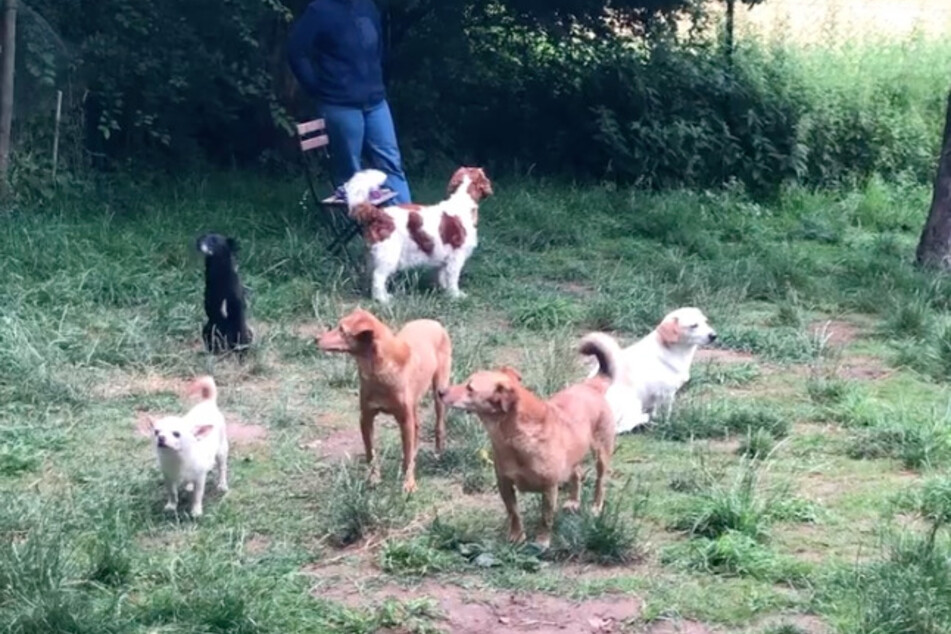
(226, 328)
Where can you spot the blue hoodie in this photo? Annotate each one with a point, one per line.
(335, 50)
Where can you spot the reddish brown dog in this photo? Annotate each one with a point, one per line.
(395, 372)
(536, 444)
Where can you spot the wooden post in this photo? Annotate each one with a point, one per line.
(7, 57)
(59, 112)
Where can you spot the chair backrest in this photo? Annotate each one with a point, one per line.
(312, 135)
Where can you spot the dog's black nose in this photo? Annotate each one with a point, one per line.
(161, 441)
(713, 337)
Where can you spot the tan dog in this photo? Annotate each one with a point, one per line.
(395, 372)
(536, 444)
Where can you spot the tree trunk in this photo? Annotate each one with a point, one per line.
(7, 57)
(934, 247)
(730, 27)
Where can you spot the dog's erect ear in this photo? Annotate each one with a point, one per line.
(512, 373)
(202, 430)
(146, 425)
(364, 335)
(669, 331)
(232, 244)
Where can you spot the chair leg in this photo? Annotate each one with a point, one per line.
(343, 237)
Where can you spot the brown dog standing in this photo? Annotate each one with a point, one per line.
(536, 444)
(395, 372)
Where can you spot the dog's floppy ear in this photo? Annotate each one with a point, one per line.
(482, 183)
(669, 331)
(202, 430)
(456, 181)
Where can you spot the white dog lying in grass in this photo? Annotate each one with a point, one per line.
(189, 446)
(654, 368)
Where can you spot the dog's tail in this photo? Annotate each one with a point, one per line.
(605, 349)
(205, 386)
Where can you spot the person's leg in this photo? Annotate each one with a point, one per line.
(345, 129)
(383, 152)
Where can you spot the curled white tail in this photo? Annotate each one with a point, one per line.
(605, 349)
(204, 385)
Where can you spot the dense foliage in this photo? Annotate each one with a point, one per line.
(556, 87)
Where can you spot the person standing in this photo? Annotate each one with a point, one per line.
(335, 51)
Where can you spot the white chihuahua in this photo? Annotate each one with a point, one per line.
(189, 446)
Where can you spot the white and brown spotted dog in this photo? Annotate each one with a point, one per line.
(440, 236)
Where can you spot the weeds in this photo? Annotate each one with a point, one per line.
(98, 304)
(735, 554)
(918, 443)
(744, 506)
(612, 537)
(698, 419)
(354, 509)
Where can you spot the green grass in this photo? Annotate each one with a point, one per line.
(770, 459)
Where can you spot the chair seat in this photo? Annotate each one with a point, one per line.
(385, 196)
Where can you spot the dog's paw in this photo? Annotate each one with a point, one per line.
(457, 294)
(409, 485)
(572, 506)
(189, 486)
(373, 477)
(516, 536)
(170, 507)
(543, 541)
(197, 511)
(223, 487)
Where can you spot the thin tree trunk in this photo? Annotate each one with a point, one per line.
(934, 247)
(7, 57)
(730, 26)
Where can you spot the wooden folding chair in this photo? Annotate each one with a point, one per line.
(333, 210)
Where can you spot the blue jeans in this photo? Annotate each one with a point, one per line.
(355, 131)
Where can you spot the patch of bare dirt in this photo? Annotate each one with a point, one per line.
(838, 331)
(863, 368)
(804, 622)
(132, 385)
(345, 443)
(576, 288)
(723, 355)
(678, 627)
(257, 544)
(311, 330)
(244, 433)
(475, 611)
(724, 446)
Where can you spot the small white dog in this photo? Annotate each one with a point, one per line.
(189, 446)
(654, 368)
(440, 236)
